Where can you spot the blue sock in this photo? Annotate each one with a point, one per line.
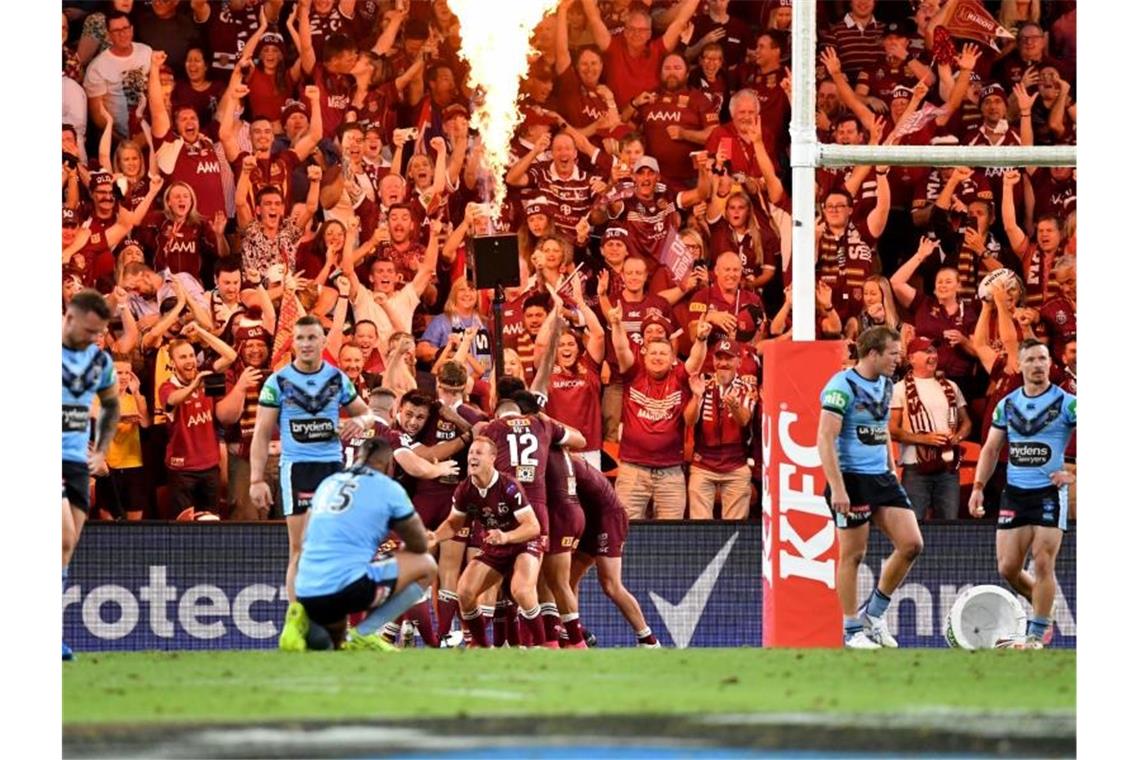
(1037, 626)
(877, 604)
(851, 626)
(391, 609)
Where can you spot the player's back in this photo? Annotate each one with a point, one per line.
(1038, 429)
(561, 485)
(864, 406)
(349, 518)
(595, 493)
(523, 443)
(309, 404)
(86, 372)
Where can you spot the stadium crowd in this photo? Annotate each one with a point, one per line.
(230, 167)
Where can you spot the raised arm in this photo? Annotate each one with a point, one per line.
(625, 357)
(242, 193)
(696, 358)
(308, 55)
(830, 59)
(518, 176)
(598, 27)
(673, 33)
(545, 348)
(426, 272)
(967, 61)
(159, 116)
(562, 59)
(306, 142)
(900, 280)
(1018, 242)
(394, 19)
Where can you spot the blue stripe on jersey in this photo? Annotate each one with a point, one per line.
(86, 373)
(309, 404)
(350, 517)
(1037, 429)
(864, 406)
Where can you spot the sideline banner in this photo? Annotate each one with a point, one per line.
(179, 586)
(801, 608)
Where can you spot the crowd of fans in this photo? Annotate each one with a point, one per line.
(229, 166)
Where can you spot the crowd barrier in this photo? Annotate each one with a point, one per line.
(181, 586)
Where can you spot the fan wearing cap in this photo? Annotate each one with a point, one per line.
(652, 215)
(928, 420)
(332, 69)
(733, 312)
(88, 245)
(655, 391)
(995, 130)
(898, 66)
(720, 412)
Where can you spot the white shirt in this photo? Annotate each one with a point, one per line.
(394, 316)
(932, 396)
(122, 80)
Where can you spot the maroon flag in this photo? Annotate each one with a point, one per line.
(973, 22)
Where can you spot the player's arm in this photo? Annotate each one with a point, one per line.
(418, 467)
(108, 419)
(411, 530)
(830, 425)
(263, 428)
(987, 460)
(449, 527)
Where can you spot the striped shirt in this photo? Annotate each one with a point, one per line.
(648, 223)
(571, 196)
(859, 48)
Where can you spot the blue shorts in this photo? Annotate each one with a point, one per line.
(299, 481)
(867, 493)
(1047, 507)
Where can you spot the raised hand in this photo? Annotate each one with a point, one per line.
(1010, 178)
(1025, 101)
(926, 247)
(830, 60)
(697, 384)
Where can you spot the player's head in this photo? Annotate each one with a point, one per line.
(86, 319)
(481, 457)
(880, 347)
(506, 406)
(381, 402)
(452, 379)
(415, 408)
(527, 402)
(308, 339)
(376, 453)
(1033, 355)
(508, 386)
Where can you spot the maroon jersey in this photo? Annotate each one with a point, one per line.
(193, 442)
(199, 165)
(566, 517)
(688, 109)
(579, 106)
(227, 31)
(571, 196)
(723, 238)
(653, 430)
(633, 313)
(524, 443)
(432, 498)
(1059, 318)
(606, 520)
(720, 443)
(498, 507)
(743, 303)
(574, 397)
(775, 113)
(648, 223)
(336, 96)
(183, 247)
(275, 171)
(1053, 196)
(350, 444)
(931, 321)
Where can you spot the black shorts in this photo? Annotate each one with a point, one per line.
(335, 607)
(1047, 507)
(77, 485)
(867, 493)
(299, 481)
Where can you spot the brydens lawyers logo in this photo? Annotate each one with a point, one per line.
(681, 619)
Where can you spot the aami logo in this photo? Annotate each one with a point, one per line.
(1029, 454)
(182, 246)
(208, 167)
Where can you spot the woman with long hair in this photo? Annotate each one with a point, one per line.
(198, 91)
(460, 313)
(185, 242)
(878, 309)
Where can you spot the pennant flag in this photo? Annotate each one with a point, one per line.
(675, 256)
(283, 338)
(973, 22)
(922, 116)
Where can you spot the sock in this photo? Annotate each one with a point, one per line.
(550, 620)
(573, 627)
(318, 638)
(851, 626)
(448, 607)
(531, 620)
(420, 615)
(513, 635)
(390, 631)
(499, 624)
(474, 623)
(1037, 626)
(645, 636)
(877, 604)
(64, 579)
(391, 608)
(488, 612)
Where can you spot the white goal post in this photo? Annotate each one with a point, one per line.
(807, 153)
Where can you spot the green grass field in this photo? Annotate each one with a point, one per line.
(184, 687)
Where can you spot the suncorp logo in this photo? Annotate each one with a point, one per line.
(201, 611)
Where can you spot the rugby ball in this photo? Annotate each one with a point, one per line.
(983, 616)
(1002, 277)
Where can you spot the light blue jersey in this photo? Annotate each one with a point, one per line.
(1038, 429)
(86, 373)
(865, 406)
(309, 404)
(350, 516)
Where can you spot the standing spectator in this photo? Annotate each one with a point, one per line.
(656, 390)
(858, 39)
(580, 96)
(237, 412)
(561, 179)
(929, 420)
(229, 27)
(1031, 53)
(122, 492)
(1038, 256)
(459, 314)
(847, 253)
(767, 78)
(116, 79)
(720, 412)
(575, 389)
(271, 241)
(717, 26)
(198, 90)
(710, 77)
(184, 241)
(168, 25)
(965, 241)
(1059, 313)
(725, 305)
(95, 38)
(633, 56)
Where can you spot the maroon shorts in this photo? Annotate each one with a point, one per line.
(432, 509)
(566, 526)
(501, 558)
(605, 536)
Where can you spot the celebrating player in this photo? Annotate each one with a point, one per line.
(88, 371)
(511, 540)
(1037, 419)
(350, 515)
(305, 396)
(854, 449)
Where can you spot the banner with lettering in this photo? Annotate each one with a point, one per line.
(801, 550)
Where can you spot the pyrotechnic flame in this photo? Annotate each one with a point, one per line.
(496, 43)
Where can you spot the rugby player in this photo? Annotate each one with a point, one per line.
(1037, 421)
(862, 487)
(88, 371)
(350, 516)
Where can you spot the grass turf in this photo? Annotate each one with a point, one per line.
(177, 687)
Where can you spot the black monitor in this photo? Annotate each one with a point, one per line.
(496, 261)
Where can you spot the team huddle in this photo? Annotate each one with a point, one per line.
(504, 519)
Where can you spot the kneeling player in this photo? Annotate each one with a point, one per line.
(511, 544)
(350, 516)
(603, 536)
(1037, 419)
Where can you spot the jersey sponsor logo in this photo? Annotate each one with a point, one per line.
(569, 542)
(75, 419)
(1029, 453)
(871, 436)
(182, 246)
(655, 409)
(312, 430)
(201, 418)
(208, 167)
(836, 400)
(663, 116)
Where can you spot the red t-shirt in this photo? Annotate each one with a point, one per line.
(574, 398)
(1059, 318)
(720, 443)
(200, 167)
(688, 109)
(265, 100)
(193, 442)
(633, 313)
(579, 106)
(653, 430)
(336, 97)
(628, 76)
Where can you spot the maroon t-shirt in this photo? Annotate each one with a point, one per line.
(199, 166)
(574, 398)
(653, 430)
(648, 224)
(688, 109)
(720, 443)
(1059, 318)
(193, 442)
(931, 321)
(579, 106)
(628, 76)
(523, 443)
